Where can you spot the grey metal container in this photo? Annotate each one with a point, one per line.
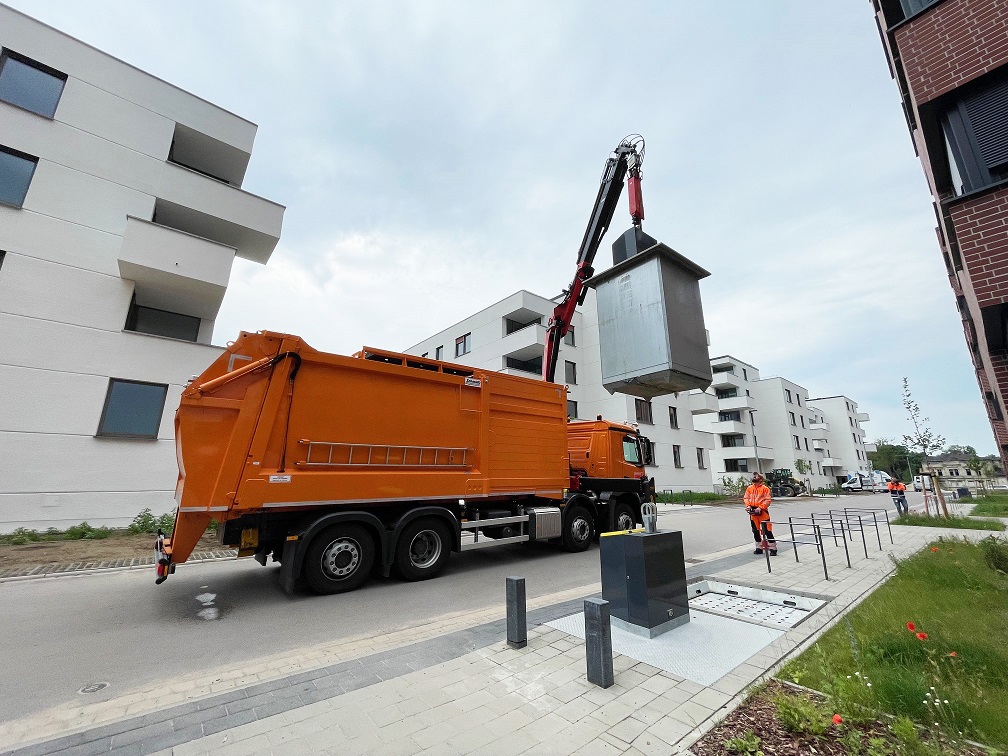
(651, 327)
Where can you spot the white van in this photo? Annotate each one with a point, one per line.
(873, 481)
(922, 482)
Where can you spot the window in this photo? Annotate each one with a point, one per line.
(792, 418)
(819, 465)
(912, 7)
(569, 337)
(798, 399)
(854, 436)
(729, 415)
(570, 372)
(787, 395)
(747, 392)
(527, 366)
(161, 322)
(858, 452)
(439, 353)
(726, 393)
(676, 456)
(630, 451)
(132, 409)
(954, 472)
(797, 442)
(851, 421)
(673, 416)
(968, 472)
(2, 256)
(732, 441)
(463, 345)
(643, 408)
(16, 171)
(510, 326)
(745, 375)
(974, 129)
(700, 458)
(28, 84)
(571, 409)
(802, 418)
(806, 445)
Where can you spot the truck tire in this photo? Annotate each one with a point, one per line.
(423, 549)
(788, 491)
(578, 529)
(339, 559)
(623, 516)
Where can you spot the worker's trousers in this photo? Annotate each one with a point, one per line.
(759, 536)
(899, 499)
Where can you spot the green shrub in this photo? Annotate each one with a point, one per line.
(747, 744)
(799, 715)
(995, 551)
(166, 522)
(145, 522)
(668, 497)
(86, 532)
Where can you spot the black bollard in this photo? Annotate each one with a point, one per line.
(517, 628)
(598, 642)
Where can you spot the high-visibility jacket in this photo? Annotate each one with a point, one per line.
(757, 497)
(896, 486)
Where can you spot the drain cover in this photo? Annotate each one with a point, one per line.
(93, 687)
(756, 605)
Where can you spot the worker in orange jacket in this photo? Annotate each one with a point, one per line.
(898, 492)
(757, 504)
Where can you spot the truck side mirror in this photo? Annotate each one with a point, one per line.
(647, 451)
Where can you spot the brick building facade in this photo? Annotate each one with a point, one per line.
(950, 61)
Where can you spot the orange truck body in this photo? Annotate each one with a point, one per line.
(275, 431)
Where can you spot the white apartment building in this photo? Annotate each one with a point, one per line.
(121, 211)
(843, 445)
(766, 423)
(509, 337)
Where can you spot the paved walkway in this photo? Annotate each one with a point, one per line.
(453, 686)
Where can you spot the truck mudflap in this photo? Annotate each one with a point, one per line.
(162, 560)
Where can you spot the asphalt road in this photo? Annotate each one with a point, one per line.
(62, 633)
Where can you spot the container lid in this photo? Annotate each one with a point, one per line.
(658, 250)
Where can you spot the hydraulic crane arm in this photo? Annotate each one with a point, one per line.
(625, 160)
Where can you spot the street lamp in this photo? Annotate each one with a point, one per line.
(752, 420)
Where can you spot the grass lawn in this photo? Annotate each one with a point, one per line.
(687, 497)
(964, 523)
(992, 506)
(949, 672)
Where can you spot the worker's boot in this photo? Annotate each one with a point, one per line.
(759, 550)
(773, 552)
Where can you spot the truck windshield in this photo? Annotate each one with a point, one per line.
(631, 452)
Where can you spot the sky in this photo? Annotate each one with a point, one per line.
(435, 157)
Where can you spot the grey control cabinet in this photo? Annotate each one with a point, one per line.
(652, 337)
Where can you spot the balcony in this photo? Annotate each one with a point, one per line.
(522, 373)
(173, 270)
(736, 403)
(862, 417)
(701, 403)
(819, 430)
(832, 462)
(729, 427)
(747, 452)
(525, 344)
(726, 381)
(870, 448)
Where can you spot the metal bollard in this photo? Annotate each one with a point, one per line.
(598, 642)
(517, 628)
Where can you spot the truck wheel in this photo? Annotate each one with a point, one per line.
(623, 517)
(578, 529)
(423, 549)
(339, 559)
(788, 491)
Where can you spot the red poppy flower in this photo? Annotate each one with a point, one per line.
(953, 653)
(911, 626)
(921, 636)
(837, 719)
(934, 548)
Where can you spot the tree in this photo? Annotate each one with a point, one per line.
(895, 459)
(983, 468)
(962, 451)
(923, 438)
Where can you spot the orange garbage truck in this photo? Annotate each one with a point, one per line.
(337, 467)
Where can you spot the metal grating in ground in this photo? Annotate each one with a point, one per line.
(772, 609)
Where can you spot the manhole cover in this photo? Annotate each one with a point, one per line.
(93, 687)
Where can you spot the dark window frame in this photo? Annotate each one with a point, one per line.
(677, 456)
(673, 417)
(101, 433)
(571, 403)
(465, 343)
(642, 408)
(24, 156)
(568, 337)
(133, 315)
(701, 464)
(8, 54)
(570, 372)
(439, 352)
